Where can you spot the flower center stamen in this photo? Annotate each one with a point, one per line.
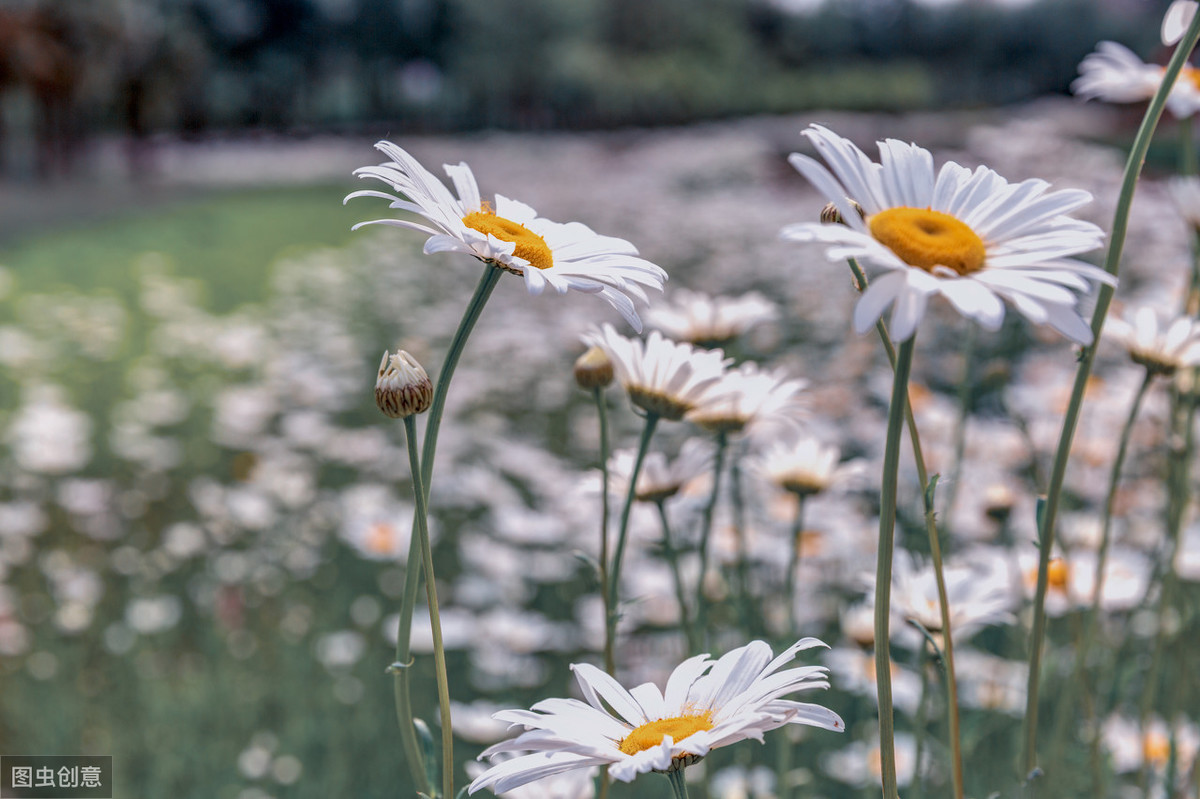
(530, 246)
(927, 239)
(652, 732)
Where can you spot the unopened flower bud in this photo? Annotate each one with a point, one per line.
(402, 387)
(593, 369)
(830, 215)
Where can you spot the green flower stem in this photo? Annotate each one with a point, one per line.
(412, 572)
(742, 567)
(1112, 263)
(402, 687)
(678, 783)
(935, 552)
(1187, 147)
(794, 565)
(610, 665)
(435, 622)
(614, 575)
(1066, 711)
(922, 720)
(883, 573)
(706, 524)
(673, 560)
(970, 341)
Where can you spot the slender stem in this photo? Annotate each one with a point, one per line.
(706, 524)
(673, 561)
(1187, 148)
(412, 572)
(614, 575)
(883, 573)
(935, 551)
(1066, 720)
(678, 783)
(602, 411)
(435, 622)
(965, 384)
(402, 683)
(922, 720)
(1112, 262)
(742, 567)
(794, 564)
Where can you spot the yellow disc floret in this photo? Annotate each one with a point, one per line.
(652, 732)
(927, 239)
(530, 246)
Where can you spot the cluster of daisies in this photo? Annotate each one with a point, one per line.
(966, 235)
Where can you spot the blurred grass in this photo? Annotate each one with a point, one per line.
(226, 241)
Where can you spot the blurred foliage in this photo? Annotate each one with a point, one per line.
(194, 65)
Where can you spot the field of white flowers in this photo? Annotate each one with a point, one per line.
(205, 521)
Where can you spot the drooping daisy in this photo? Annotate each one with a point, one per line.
(706, 704)
(661, 377)
(510, 235)
(745, 396)
(1114, 74)
(970, 236)
(1161, 350)
(710, 321)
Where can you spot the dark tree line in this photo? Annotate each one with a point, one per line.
(190, 66)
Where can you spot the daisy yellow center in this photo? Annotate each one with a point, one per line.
(652, 732)
(1057, 573)
(530, 246)
(1156, 748)
(926, 239)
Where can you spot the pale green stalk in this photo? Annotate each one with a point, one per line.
(412, 572)
(610, 665)
(435, 622)
(964, 410)
(928, 488)
(614, 575)
(742, 567)
(706, 523)
(673, 561)
(883, 571)
(794, 564)
(678, 783)
(1112, 262)
(1066, 719)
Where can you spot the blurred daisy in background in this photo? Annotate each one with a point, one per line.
(660, 376)
(510, 235)
(661, 479)
(805, 466)
(710, 321)
(749, 397)
(706, 704)
(1161, 347)
(968, 235)
(1114, 74)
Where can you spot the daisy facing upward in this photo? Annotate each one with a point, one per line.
(968, 235)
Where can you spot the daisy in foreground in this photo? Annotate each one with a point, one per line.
(970, 236)
(510, 235)
(706, 704)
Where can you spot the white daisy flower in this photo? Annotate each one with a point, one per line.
(659, 478)
(1161, 349)
(661, 376)
(709, 321)
(1114, 74)
(1176, 21)
(1185, 191)
(510, 235)
(805, 466)
(706, 704)
(745, 396)
(970, 236)
(978, 596)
